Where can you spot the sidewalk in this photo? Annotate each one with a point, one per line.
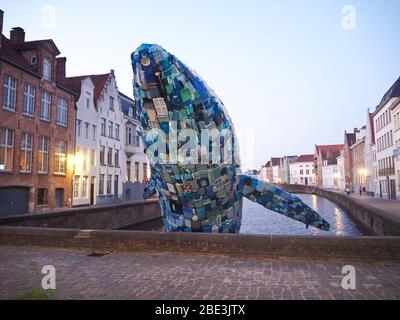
(390, 208)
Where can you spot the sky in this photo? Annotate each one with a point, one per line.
(291, 74)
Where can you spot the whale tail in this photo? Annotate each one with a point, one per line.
(280, 201)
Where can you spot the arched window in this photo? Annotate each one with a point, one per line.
(46, 69)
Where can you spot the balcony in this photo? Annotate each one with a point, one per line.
(133, 146)
(386, 172)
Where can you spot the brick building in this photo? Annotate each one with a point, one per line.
(349, 140)
(36, 126)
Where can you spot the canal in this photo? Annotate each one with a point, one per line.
(257, 220)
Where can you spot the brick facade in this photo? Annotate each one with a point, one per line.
(23, 61)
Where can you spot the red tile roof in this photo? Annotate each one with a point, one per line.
(276, 161)
(99, 81)
(331, 147)
(305, 158)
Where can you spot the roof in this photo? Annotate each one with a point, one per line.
(126, 104)
(9, 53)
(330, 147)
(350, 138)
(99, 81)
(26, 45)
(276, 161)
(305, 158)
(393, 92)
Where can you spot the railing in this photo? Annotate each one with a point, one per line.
(386, 172)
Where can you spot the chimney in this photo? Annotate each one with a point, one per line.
(356, 130)
(60, 69)
(17, 35)
(1, 25)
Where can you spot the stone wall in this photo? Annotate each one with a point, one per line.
(375, 221)
(108, 217)
(347, 248)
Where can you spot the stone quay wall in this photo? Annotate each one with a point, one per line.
(374, 220)
(103, 241)
(107, 217)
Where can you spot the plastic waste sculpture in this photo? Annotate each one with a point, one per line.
(193, 151)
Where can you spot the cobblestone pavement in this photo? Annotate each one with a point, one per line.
(128, 275)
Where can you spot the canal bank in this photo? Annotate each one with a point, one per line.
(377, 221)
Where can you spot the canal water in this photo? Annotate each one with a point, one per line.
(258, 220)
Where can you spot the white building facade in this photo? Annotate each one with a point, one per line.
(111, 141)
(302, 170)
(86, 138)
(384, 126)
(396, 136)
(137, 169)
(330, 176)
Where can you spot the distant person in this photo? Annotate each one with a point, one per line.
(360, 190)
(364, 191)
(348, 191)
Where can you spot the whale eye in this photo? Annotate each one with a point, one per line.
(145, 61)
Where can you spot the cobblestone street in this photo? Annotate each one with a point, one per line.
(128, 275)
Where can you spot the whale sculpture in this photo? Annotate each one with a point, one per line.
(193, 151)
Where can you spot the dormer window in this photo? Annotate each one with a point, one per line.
(33, 60)
(46, 69)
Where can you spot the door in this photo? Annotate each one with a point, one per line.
(59, 198)
(380, 189)
(13, 201)
(393, 189)
(92, 191)
(306, 181)
(116, 187)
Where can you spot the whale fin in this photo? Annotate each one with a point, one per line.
(149, 188)
(280, 201)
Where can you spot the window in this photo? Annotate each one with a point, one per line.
(42, 196)
(109, 157)
(46, 69)
(136, 171)
(131, 136)
(103, 126)
(144, 172)
(60, 157)
(62, 112)
(130, 112)
(6, 149)
(88, 96)
(101, 184)
(85, 159)
(25, 164)
(109, 180)
(76, 186)
(78, 127)
(43, 155)
(84, 187)
(87, 128)
(128, 171)
(116, 158)
(29, 100)
(116, 184)
(112, 103)
(110, 129)
(93, 157)
(93, 132)
(117, 131)
(307, 171)
(102, 155)
(301, 171)
(45, 105)
(9, 93)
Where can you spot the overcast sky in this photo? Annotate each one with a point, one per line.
(292, 74)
